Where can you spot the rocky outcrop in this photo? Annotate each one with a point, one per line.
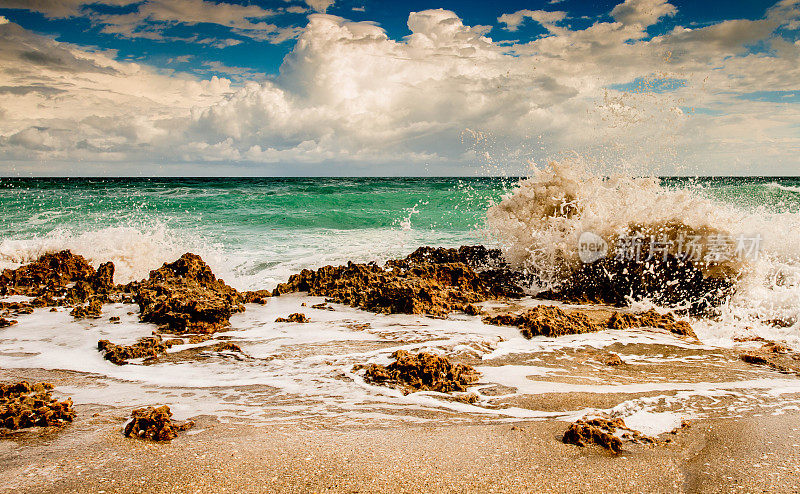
(546, 320)
(551, 321)
(421, 372)
(4, 323)
(668, 283)
(147, 348)
(185, 296)
(155, 424)
(295, 317)
(27, 405)
(91, 311)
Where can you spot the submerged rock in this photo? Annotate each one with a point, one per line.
(155, 424)
(421, 372)
(148, 348)
(185, 296)
(27, 405)
(295, 317)
(650, 319)
(551, 321)
(546, 320)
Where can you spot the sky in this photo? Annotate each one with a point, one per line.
(416, 88)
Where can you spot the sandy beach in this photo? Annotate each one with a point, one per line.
(757, 454)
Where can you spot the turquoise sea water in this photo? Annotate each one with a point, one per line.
(258, 230)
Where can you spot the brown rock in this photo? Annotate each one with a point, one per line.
(148, 348)
(613, 359)
(651, 319)
(4, 323)
(546, 320)
(91, 311)
(185, 296)
(47, 274)
(155, 424)
(26, 405)
(295, 317)
(596, 431)
(421, 372)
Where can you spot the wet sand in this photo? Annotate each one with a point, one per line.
(756, 454)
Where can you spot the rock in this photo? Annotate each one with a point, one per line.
(147, 348)
(49, 274)
(770, 346)
(434, 289)
(668, 283)
(26, 405)
(155, 424)
(185, 296)
(256, 297)
(421, 372)
(546, 320)
(596, 431)
(295, 317)
(227, 346)
(472, 310)
(650, 319)
(552, 321)
(91, 311)
(787, 364)
(612, 359)
(4, 323)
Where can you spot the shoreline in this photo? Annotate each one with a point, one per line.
(718, 455)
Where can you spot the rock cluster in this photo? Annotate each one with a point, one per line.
(551, 321)
(59, 279)
(26, 405)
(185, 296)
(295, 317)
(669, 283)
(155, 424)
(421, 372)
(147, 348)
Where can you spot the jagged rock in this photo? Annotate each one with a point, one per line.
(45, 275)
(147, 348)
(596, 431)
(546, 320)
(650, 319)
(613, 360)
(435, 289)
(669, 283)
(295, 317)
(551, 321)
(256, 297)
(788, 364)
(4, 323)
(421, 372)
(91, 311)
(26, 405)
(185, 296)
(155, 424)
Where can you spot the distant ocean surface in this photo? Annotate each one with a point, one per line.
(257, 231)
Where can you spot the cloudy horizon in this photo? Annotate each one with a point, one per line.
(360, 87)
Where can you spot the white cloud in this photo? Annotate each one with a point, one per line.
(320, 5)
(349, 96)
(513, 21)
(642, 12)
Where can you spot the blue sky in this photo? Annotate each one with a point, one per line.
(368, 87)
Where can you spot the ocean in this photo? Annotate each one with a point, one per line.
(256, 232)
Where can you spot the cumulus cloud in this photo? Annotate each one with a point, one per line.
(443, 97)
(642, 12)
(513, 21)
(320, 5)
